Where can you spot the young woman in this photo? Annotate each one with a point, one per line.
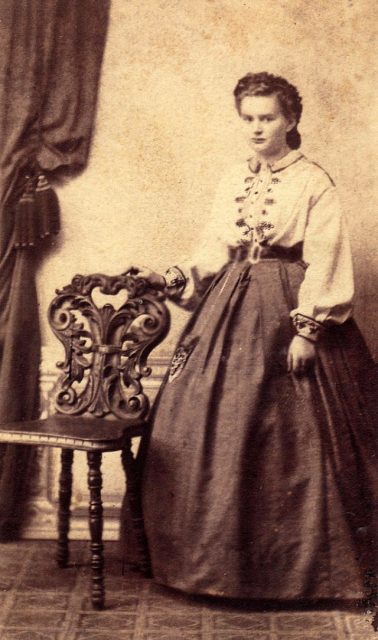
(260, 473)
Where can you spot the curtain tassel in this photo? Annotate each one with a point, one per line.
(37, 212)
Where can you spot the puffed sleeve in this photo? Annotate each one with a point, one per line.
(325, 296)
(219, 233)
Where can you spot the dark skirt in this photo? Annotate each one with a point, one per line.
(257, 483)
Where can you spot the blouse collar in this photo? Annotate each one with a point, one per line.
(293, 156)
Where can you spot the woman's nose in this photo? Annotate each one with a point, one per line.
(257, 127)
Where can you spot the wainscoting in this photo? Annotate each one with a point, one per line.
(42, 517)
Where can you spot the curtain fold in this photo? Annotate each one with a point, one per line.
(50, 62)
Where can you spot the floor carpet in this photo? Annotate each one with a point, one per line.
(41, 602)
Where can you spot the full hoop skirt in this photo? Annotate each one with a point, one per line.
(258, 483)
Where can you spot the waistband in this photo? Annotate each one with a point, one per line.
(289, 254)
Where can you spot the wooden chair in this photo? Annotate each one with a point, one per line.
(106, 352)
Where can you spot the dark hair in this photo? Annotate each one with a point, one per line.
(266, 84)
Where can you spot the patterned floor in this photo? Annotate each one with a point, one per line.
(40, 602)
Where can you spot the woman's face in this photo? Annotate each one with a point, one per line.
(266, 126)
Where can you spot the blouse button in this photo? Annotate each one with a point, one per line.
(248, 179)
(240, 199)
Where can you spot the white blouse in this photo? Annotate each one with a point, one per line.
(289, 202)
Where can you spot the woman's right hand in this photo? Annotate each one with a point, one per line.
(155, 279)
(301, 356)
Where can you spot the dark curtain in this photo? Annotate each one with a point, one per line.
(50, 59)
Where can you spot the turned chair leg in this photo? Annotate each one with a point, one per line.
(95, 526)
(133, 481)
(65, 492)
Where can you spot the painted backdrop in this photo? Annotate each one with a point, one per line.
(166, 128)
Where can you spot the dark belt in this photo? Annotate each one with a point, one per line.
(290, 254)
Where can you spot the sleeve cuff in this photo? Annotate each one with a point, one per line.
(175, 283)
(308, 328)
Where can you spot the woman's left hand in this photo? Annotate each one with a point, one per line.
(301, 355)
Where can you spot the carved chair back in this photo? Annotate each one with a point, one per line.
(106, 345)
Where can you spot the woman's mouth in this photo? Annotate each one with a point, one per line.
(258, 140)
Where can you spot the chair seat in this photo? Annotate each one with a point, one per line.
(73, 432)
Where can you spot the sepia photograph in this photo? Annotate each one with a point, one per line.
(188, 335)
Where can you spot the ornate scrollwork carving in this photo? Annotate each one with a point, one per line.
(106, 349)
